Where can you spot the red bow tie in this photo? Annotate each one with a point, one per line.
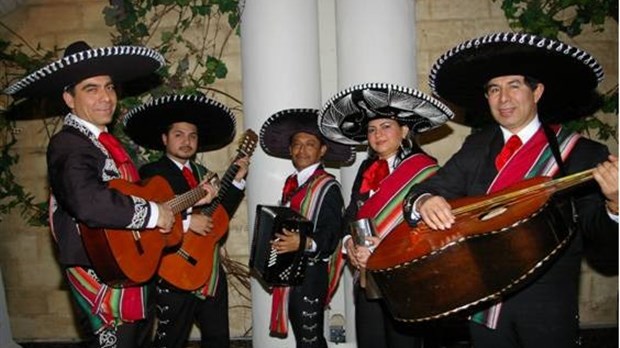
(373, 176)
(290, 186)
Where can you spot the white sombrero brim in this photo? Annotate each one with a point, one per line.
(122, 63)
(344, 118)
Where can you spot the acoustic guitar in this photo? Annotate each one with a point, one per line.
(190, 266)
(127, 257)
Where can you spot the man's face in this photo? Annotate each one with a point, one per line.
(306, 149)
(181, 141)
(512, 101)
(93, 100)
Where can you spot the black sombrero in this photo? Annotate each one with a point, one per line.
(277, 131)
(570, 75)
(80, 61)
(215, 122)
(344, 118)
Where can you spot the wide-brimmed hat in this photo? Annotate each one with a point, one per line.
(570, 75)
(344, 118)
(278, 130)
(215, 122)
(80, 61)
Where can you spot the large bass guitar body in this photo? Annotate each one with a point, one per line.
(493, 249)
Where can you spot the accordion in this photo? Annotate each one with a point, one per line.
(286, 269)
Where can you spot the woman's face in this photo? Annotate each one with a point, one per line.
(385, 136)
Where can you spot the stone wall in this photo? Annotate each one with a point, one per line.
(38, 301)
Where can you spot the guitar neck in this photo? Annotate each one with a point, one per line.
(186, 200)
(553, 186)
(225, 184)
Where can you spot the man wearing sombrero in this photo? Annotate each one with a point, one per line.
(181, 125)
(386, 118)
(311, 191)
(82, 158)
(529, 84)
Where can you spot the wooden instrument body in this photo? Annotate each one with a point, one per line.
(426, 274)
(190, 266)
(126, 257)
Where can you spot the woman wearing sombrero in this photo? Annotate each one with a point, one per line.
(181, 126)
(82, 159)
(385, 117)
(312, 192)
(526, 84)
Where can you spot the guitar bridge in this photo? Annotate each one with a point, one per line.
(187, 257)
(137, 240)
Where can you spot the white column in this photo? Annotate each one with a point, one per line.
(280, 68)
(375, 43)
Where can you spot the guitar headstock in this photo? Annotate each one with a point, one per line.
(248, 143)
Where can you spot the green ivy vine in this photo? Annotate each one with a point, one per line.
(550, 18)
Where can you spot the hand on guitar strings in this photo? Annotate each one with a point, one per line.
(286, 242)
(436, 212)
(165, 219)
(243, 163)
(211, 188)
(201, 224)
(606, 175)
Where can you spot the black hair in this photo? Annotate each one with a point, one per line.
(408, 145)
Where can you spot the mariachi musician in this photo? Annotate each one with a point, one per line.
(181, 126)
(386, 117)
(312, 192)
(529, 84)
(82, 158)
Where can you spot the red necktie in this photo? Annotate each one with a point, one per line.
(290, 186)
(119, 155)
(512, 145)
(373, 175)
(189, 177)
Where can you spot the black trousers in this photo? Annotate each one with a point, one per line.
(178, 310)
(376, 328)
(538, 316)
(306, 307)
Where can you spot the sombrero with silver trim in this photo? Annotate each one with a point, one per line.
(278, 130)
(80, 61)
(344, 118)
(215, 122)
(569, 74)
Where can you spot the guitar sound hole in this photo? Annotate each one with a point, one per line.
(494, 212)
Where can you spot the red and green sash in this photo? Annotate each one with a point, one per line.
(307, 201)
(533, 159)
(209, 289)
(108, 306)
(385, 207)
